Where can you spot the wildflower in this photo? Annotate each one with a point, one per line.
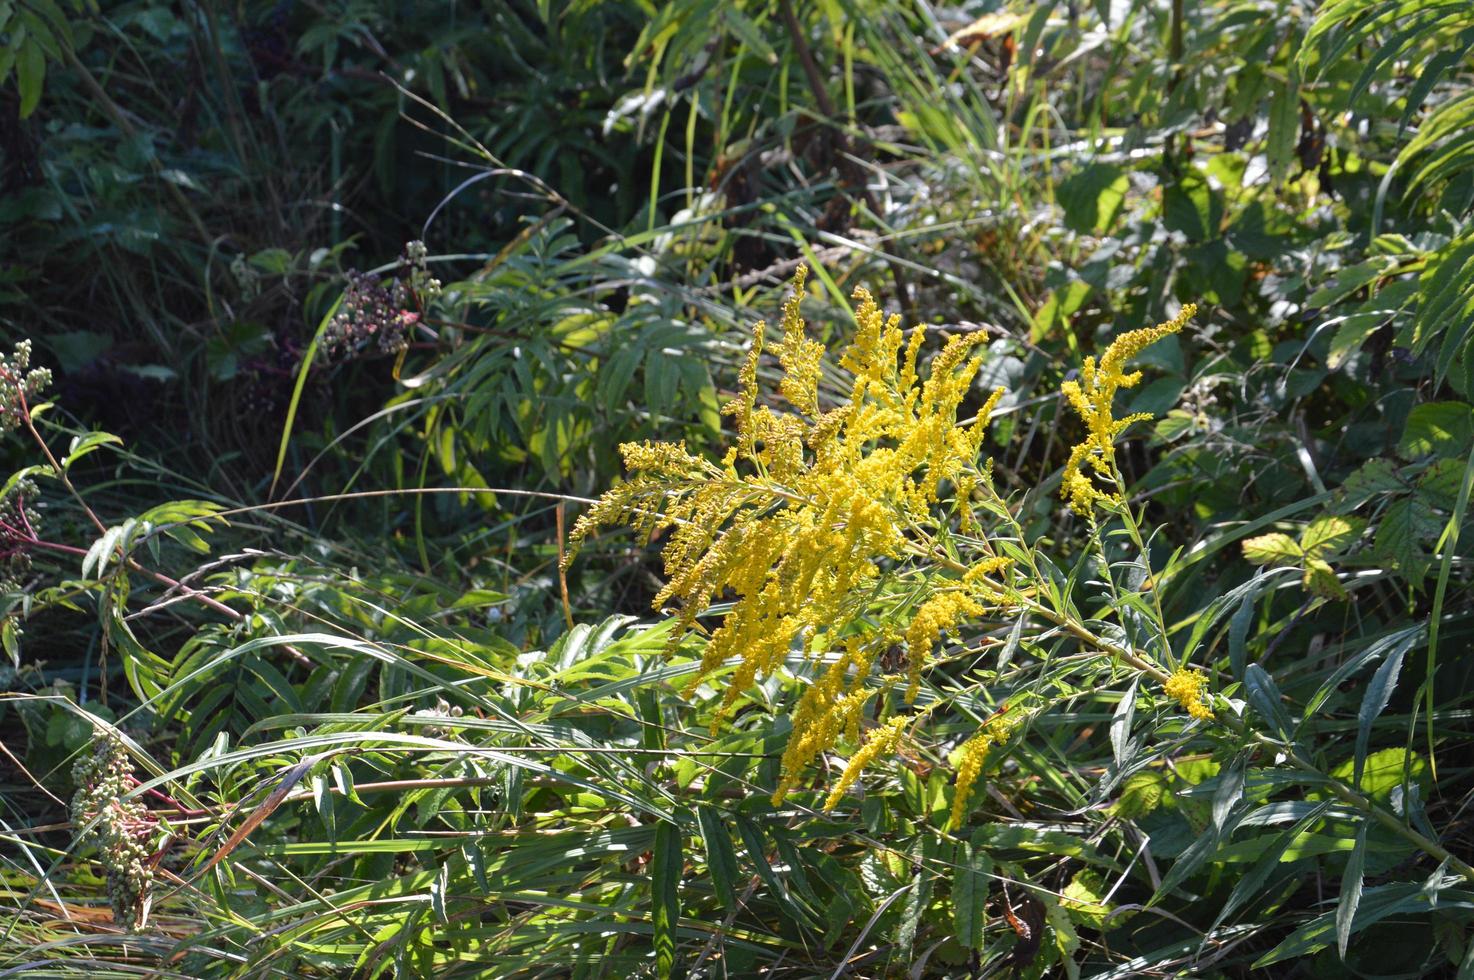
(882, 741)
(1092, 397)
(939, 614)
(1186, 688)
(970, 759)
(20, 385)
(813, 517)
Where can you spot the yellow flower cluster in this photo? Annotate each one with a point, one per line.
(970, 759)
(881, 742)
(1093, 397)
(1186, 688)
(818, 525)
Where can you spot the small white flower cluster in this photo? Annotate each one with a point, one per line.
(20, 384)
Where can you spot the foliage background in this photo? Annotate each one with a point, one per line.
(485, 769)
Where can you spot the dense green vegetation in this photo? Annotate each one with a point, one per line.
(324, 326)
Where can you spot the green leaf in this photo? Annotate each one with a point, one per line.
(1249, 886)
(30, 75)
(1230, 791)
(1284, 127)
(1440, 428)
(82, 445)
(1193, 208)
(1084, 898)
(721, 857)
(1350, 896)
(749, 33)
(1386, 770)
(1398, 541)
(1328, 535)
(1376, 904)
(1375, 476)
(1121, 725)
(970, 882)
(665, 875)
(1321, 579)
(1263, 696)
(1373, 702)
(1092, 197)
(1238, 633)
(1276, 548)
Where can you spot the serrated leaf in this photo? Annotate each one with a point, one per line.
(1320, 579)
(1438, 428)
(1375, 476)
(1273, 548)
(1373, 702)
(1141, 794)
(1330, 534)
(1398, 540)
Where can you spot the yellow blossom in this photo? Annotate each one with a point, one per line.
(882, 741)
(818, 526)
(1186, 688)
(939, 614)
(970, 759)
(1093, 397)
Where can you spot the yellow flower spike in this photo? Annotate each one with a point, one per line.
(882, 741)
(1092, 398)
(971, 756)
(939, 614)
(741, 408)
(969, 766)
(1186, 686)
(799, 356)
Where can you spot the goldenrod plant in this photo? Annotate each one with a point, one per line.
(837, 545)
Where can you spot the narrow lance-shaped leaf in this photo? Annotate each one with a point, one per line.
(665, 870)
(970, 893)
(1350, 890)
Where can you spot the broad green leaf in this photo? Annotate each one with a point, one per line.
(1440, 428)
(1141, 794)
(1330, 534)
(1321, 579)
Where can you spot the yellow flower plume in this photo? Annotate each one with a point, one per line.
(819, 526)
(1092, 397)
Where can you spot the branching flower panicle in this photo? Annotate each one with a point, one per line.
(1093, 397)
(821, 525)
